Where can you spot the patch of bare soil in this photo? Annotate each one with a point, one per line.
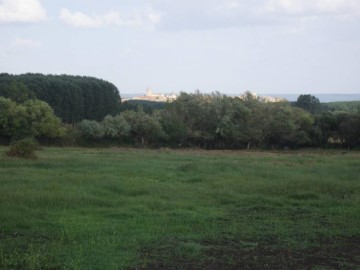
(227, 254)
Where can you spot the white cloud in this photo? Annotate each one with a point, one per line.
(210, 14)
(136, 19)
(24, 43)
(153, 16)
(18, 46)
(21, 11)
(79, 19)
(303, 7)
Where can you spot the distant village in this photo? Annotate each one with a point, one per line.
(158, 97)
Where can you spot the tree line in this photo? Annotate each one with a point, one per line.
(216, 121)
(73, 98)
(87, 110)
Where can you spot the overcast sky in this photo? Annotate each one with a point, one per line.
(265, 46)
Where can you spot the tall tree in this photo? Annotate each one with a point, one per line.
(73, 98)
(16, 91)
(309, 103)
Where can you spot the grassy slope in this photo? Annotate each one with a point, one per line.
(141, 209)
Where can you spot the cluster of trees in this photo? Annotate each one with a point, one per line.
(130, 126)
(73, 98)
(29, 103)
(218, 121)
(352, 107)
(33, 118)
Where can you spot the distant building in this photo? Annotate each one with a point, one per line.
(150, 96)
(265, 99)
(157, 97)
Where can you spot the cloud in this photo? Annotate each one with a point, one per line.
(24, 43)
(19, 43)
(79, 19)
(304, 7)
(18, 46)
(210, 14)
(137, 18)
(21, 11)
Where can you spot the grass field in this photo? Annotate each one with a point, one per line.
(165, 209)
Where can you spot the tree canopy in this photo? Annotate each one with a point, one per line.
(208, 121)
(34, 118)
(73, 98)
(309, 103)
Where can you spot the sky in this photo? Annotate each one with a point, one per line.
(230, 46)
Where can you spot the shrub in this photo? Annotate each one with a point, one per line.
(90, 129)
(24, 148)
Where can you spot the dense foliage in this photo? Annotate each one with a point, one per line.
(73, 98)
(342, 106)
(145, 105)
(33, 118)
(309, 103)
(219, 121)
(212, 121)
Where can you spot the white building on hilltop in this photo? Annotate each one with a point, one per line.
(150, 96)
(261, 98)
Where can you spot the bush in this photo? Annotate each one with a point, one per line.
(24, 148)
(90, 129)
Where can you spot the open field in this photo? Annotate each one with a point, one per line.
(163, 209)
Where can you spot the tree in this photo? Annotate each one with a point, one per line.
(288, 126)
(309, 103)
(144, 128)
(257, 125)
(349, 129)
(33, 118)
(8, 111)
(90, 129)
(16, 91)
(206, 120)
(115, 127)
(173, 126)
(231, 117)
(41, 119)
(327, 126)
(73, 98)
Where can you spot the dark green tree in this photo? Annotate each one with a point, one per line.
(16, 91)
(349, 130)
(326, 126)
(73, 98)
(309, 103)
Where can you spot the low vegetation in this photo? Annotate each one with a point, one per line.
(24, 148)
(165, 209)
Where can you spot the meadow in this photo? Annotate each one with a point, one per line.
(78, 208)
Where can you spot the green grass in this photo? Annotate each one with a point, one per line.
(163, 209)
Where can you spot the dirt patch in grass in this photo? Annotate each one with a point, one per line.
(228, 254)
